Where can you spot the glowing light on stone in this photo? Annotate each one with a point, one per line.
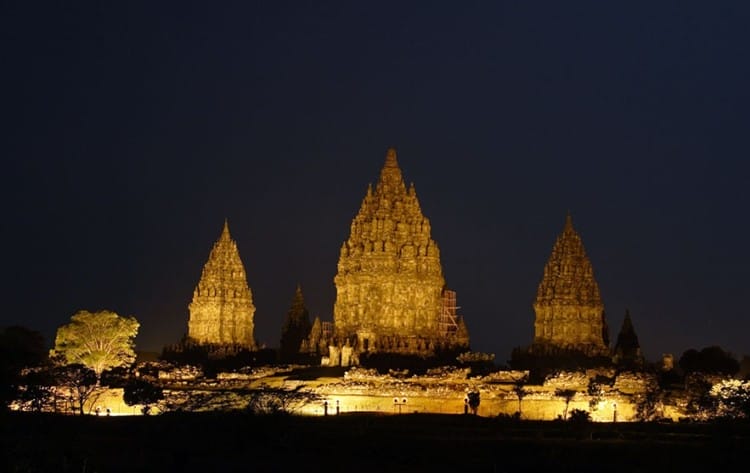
(390, 281)
(568, 306)
(222, 309)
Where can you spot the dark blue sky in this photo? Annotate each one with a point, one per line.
(132, 131)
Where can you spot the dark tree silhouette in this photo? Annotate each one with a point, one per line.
(22, 347)
(567, 395)
(711, 359)
(520, 391)
(296, 328)
(744, 372)
(80, 383)
(140, 391)
(268, 400)
(473, 400)
(19, 348)
(700, 404)
(36, 389)
(647, 404)
(116, 377)
(579, 416)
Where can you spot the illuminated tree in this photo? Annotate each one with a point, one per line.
(98, 340)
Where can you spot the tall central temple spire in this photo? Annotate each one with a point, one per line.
(568, 306)
(389, 281)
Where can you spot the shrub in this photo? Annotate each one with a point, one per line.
(579, 416)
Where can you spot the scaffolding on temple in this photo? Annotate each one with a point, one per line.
(327, 330)
(448, 321)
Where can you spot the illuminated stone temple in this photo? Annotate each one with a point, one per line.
(222, 309)
(568, 307)
(389, 286)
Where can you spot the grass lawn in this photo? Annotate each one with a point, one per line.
(360, 443)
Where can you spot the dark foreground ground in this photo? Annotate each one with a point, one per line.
(361, 443)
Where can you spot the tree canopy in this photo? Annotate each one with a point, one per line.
(709, 360)
(473, 400)
(81, 382)
(140, 391)
(19, 348)
(98, 340)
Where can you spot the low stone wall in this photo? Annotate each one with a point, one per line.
(539, 404)
(441, 391)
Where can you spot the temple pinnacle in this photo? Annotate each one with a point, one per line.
(627, 323)
(390, 158)
(225, 231)
(391, 182)
(568, 222)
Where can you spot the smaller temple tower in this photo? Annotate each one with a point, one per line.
(296, 328)
(568, 306)
(627, 353)
(222, 309)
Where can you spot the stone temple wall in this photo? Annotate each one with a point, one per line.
(440, 391)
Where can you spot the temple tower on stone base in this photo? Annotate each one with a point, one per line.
(222, 309)
(389, 283)
(568, 307)
(627, 352)
(295, 329)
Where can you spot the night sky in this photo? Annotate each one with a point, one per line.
(130, 132)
